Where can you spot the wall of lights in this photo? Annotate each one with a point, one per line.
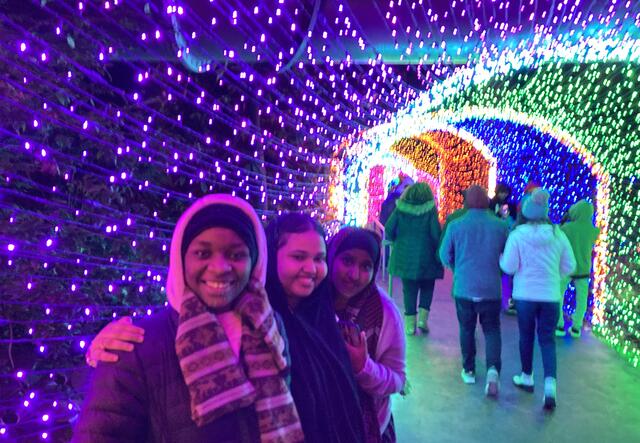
(110, 129)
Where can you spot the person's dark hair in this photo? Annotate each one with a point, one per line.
(293, 223)
(503, 187)
(322, 381)
(476, 197)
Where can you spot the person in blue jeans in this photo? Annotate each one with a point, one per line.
(471, 247)
(539, 256)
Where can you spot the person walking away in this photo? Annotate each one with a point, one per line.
(414, 229)
(471, 247)
(582, 235)
(539, 256)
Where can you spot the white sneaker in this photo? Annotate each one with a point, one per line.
(524, 381)
(493, 383)
(468, 378)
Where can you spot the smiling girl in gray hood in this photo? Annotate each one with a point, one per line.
(212, 366)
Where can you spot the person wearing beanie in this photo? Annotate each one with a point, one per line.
(213, 364)
(528, 189)
(373, 327)
(471, 248)
(539, 256)
(582, 235)
(414, 229)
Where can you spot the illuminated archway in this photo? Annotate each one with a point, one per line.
(452, 147)
(454, 161)
(584, 95)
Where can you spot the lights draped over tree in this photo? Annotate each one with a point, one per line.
(117, 114)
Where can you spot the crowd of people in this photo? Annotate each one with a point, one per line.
(276, 335)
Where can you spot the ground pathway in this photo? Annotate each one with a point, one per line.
(598, 392)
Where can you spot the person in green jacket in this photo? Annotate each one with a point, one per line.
(414, 229)
(582, 235)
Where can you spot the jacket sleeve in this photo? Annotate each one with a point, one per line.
(435, 230)
(510, 258)
(391, 226)
(385, 373)
(115, 408)
(567, 258)
(446, 251)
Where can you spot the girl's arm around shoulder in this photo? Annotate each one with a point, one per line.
(384, 373)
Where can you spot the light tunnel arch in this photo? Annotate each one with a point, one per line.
(369, 152)
(450, 163)
(350, 168)
(602, 176)
(606, 79)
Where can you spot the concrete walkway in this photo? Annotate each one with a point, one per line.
(598, 392)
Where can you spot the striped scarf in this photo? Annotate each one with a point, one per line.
(219, 383)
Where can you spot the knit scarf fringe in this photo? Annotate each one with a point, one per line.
(219, 383)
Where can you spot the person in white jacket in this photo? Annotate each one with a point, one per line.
(539, 256)
(372, 326)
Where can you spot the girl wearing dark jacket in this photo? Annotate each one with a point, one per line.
(212, 367)
(322, 381)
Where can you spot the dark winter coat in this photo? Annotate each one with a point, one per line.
(415, 233)
(388, 205)
(143, 397)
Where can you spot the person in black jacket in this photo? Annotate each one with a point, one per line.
(323, 384)
(396, 188)
(213, 365)
(389, 203)
(322, 380)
